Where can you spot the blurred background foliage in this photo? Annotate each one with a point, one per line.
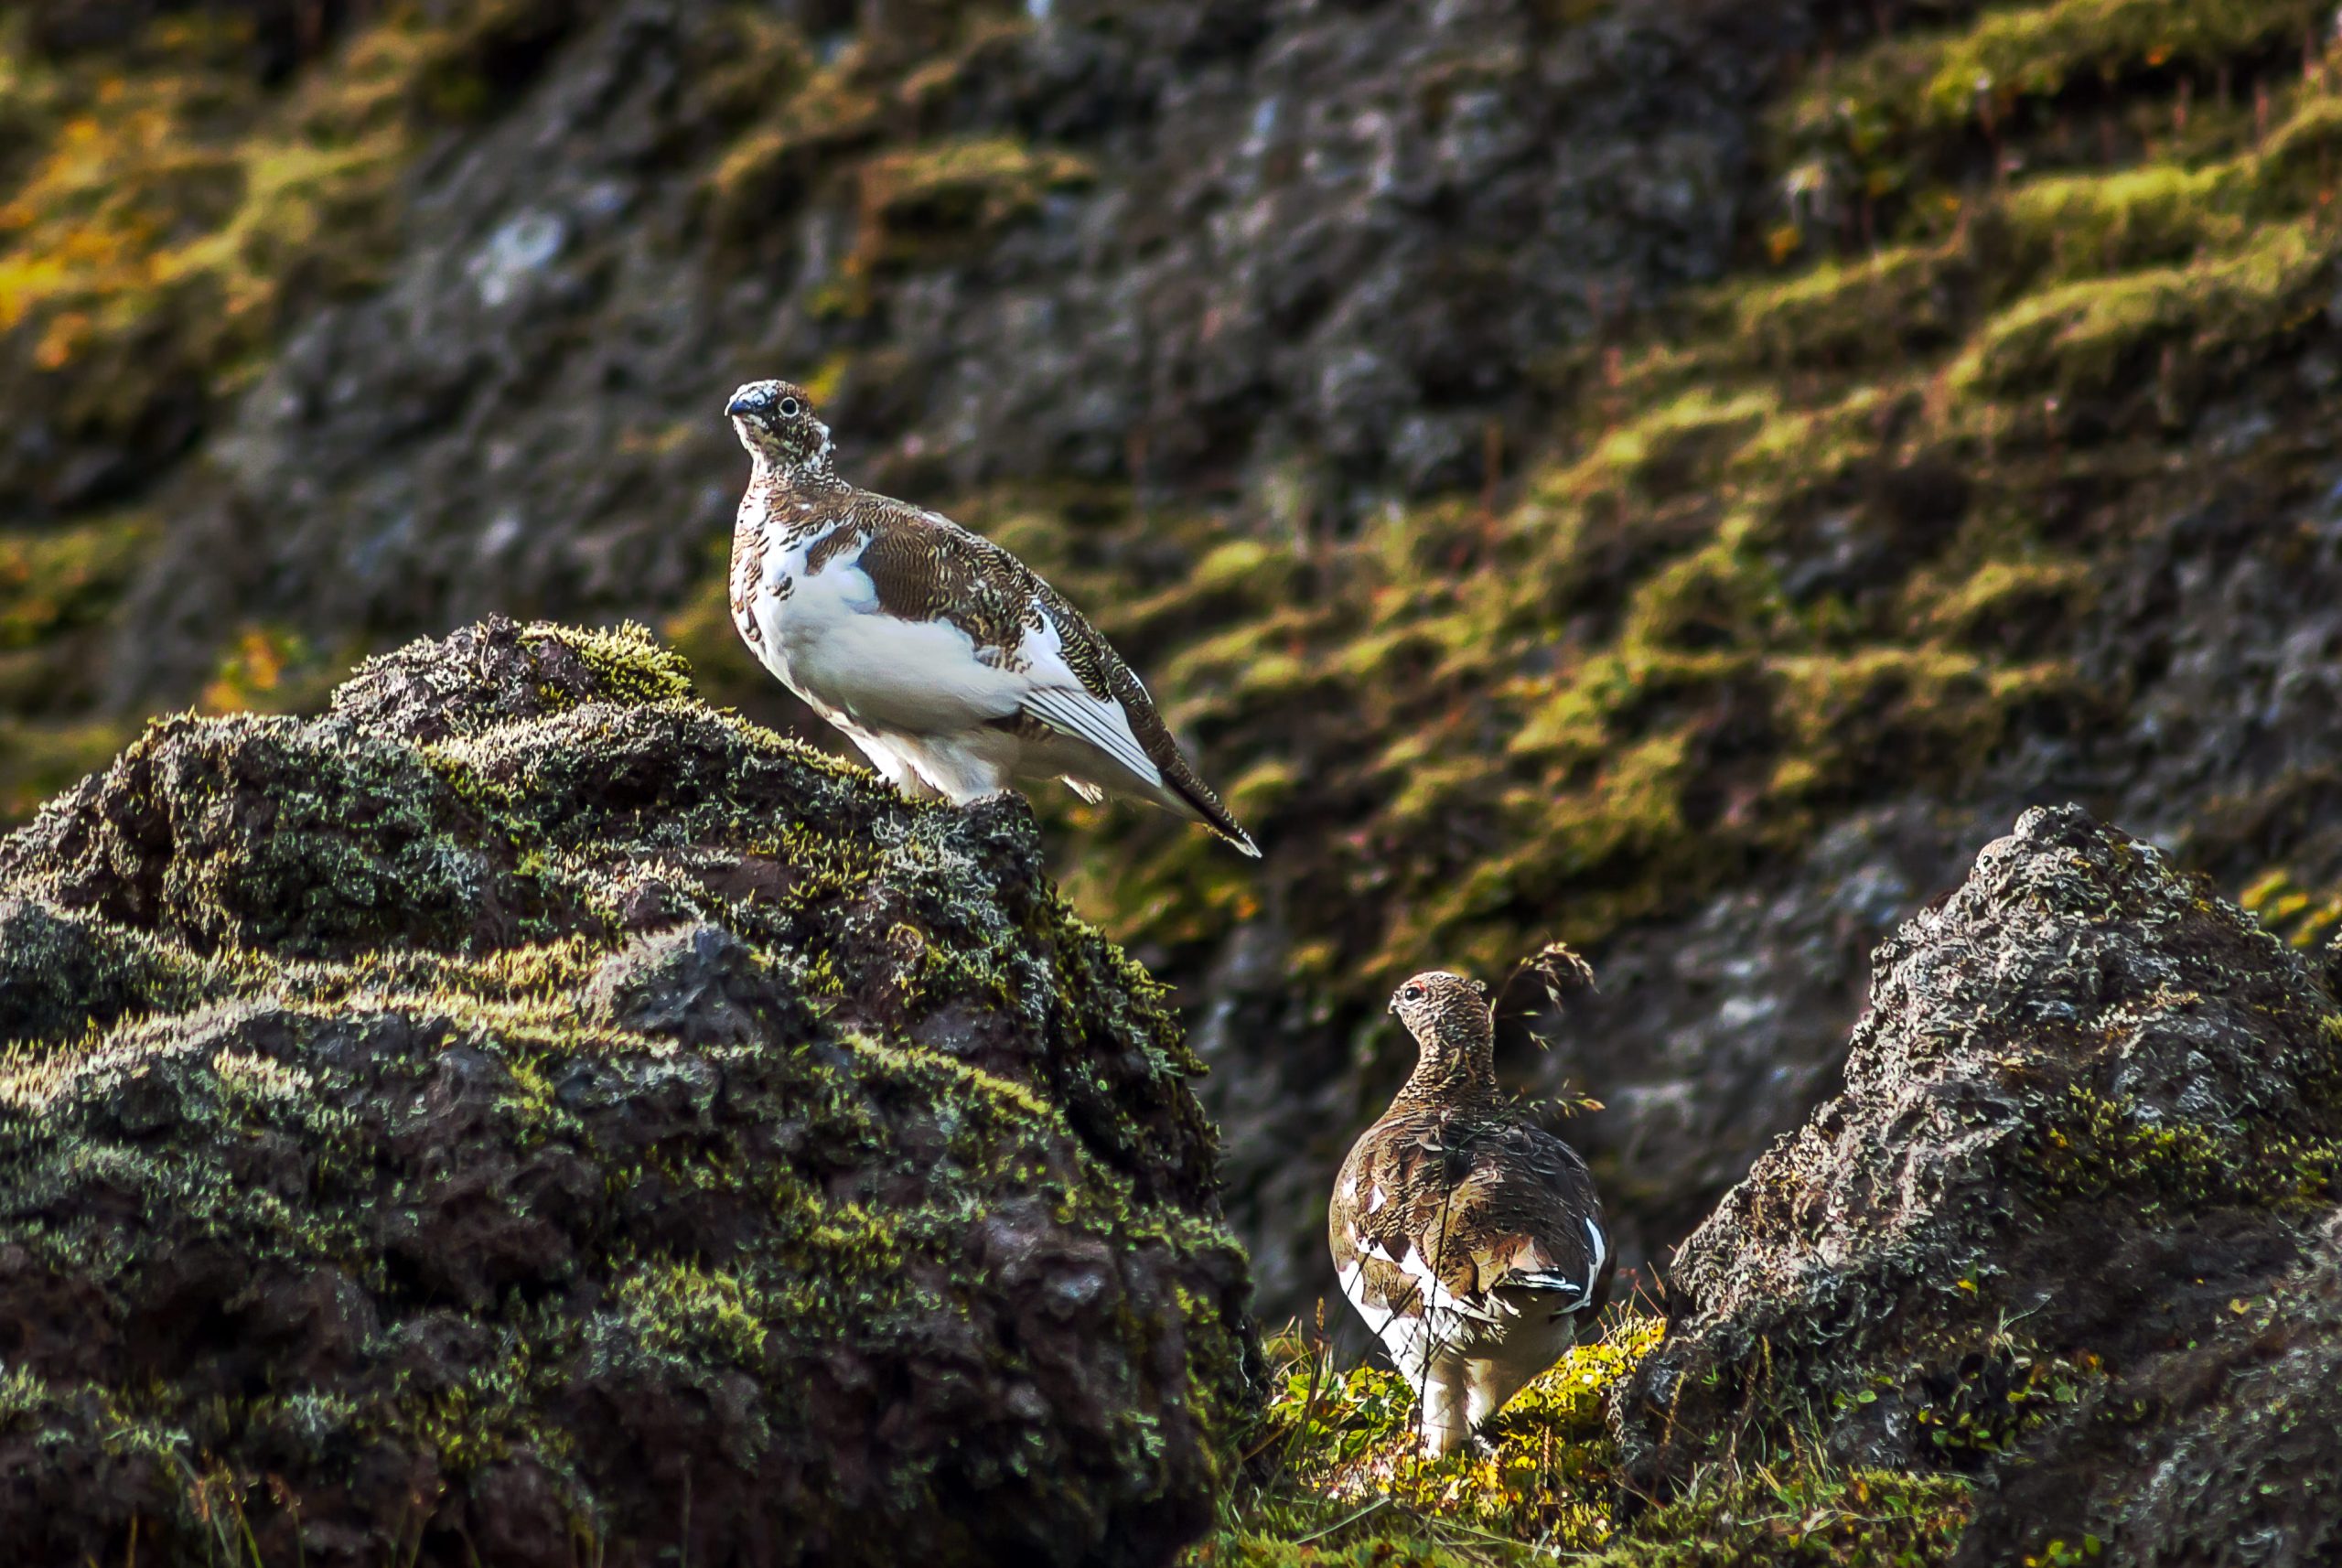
(1975, 448)
(1829, 527)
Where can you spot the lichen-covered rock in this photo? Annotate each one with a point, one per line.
(2070, 1228)
(527, 1117)
(2221, 1451)
(2003, 448)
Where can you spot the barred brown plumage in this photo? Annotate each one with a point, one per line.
(1469, 1239)
(953, 667)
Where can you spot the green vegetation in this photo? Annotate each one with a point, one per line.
(2303, 917)
(171, 211)
(1906, 126)
(166, 211)
(912, 200)
(1335, 1479)
(872, 121)
(2114, 1146)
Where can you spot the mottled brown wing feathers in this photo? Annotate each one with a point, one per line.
(1531, 1195)
(924, 571)
(925, 567)
(1385, 1216)
(1475, 1201)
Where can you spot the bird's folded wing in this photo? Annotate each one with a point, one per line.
(1100, 721)
(1073, 680)
(1420, 1228)
(1534, 1218)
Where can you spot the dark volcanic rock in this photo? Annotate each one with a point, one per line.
(527, 1117)
(1297, 256)
(2239, 1464)
(2070, 1227)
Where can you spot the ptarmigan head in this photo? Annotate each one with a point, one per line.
(776, 423)
(1447, 1014)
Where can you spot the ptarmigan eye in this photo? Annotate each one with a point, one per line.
(1410, 992)
(788, 408)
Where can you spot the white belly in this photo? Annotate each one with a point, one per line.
(829, 642)
(1501, 1364)
(919, 698)
(912, 694)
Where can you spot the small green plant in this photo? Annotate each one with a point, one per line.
(1334, 1477)
(1337, 1462)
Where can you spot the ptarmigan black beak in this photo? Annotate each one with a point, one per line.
(744, 402)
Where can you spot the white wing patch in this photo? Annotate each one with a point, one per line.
(1403, 1333)
(1055, 695)
(1548, 1279)
(1437, 1299)
(1074, 711)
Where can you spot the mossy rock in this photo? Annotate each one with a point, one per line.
(526, 1116)
(2082, 1189)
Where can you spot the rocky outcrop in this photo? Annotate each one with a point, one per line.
(526, 1116)
(2071, 1227)
(1990, 456)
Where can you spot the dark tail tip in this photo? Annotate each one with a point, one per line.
(1209, 810)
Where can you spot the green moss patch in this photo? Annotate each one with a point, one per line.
(169, 210)
(1337, 1481)
(1338, 1472)
(524, 1073)
(914, 201)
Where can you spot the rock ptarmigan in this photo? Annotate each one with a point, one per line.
(949, 662)
(1468, 1239)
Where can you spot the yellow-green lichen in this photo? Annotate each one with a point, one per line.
(922, 198)
(1338, 1480)
(2102, 1144)
(1340, 1444)
(832, 1147)
(174, 207)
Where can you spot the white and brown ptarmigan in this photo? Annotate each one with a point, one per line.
(1468, 1239)
(950, 664)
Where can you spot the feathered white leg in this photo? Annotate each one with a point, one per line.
(1446, 1418)
(893, 766)
(962, 767)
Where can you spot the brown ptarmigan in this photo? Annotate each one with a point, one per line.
(1468, 1239)
(953, 667)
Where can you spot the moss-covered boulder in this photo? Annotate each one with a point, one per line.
(2069, 1230)
(525, 1116)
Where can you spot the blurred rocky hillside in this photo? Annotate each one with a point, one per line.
(1672, 477)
